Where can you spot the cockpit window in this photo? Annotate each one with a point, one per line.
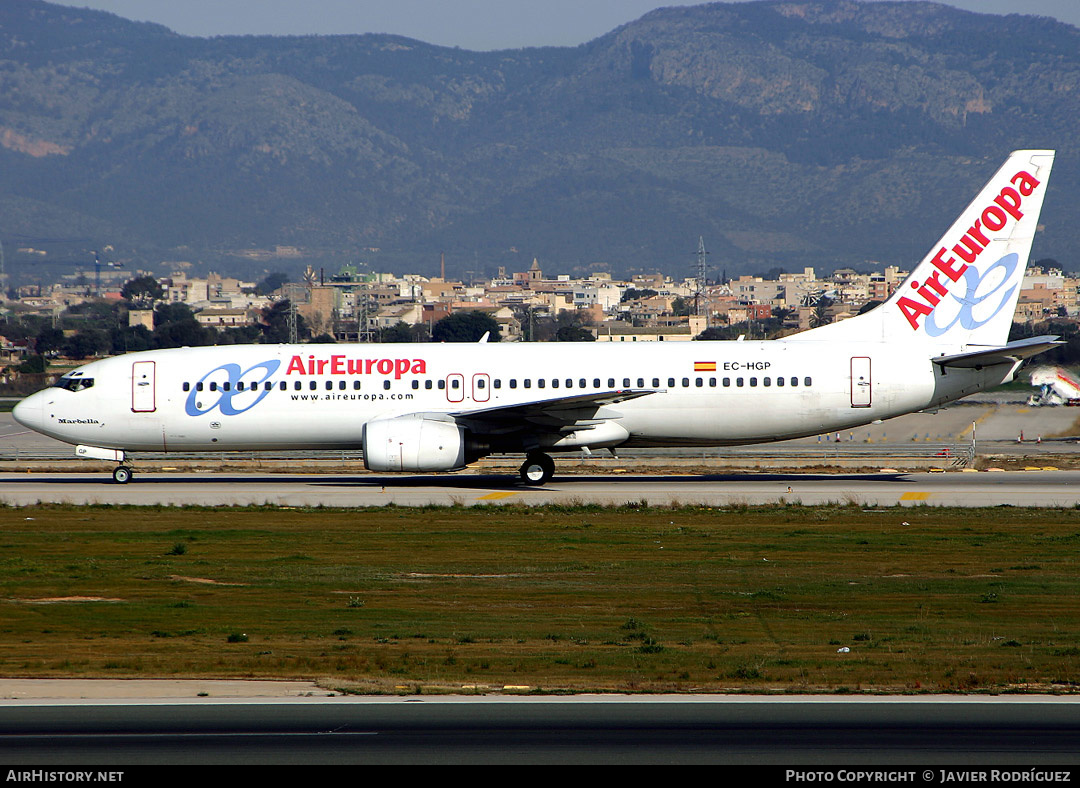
(74, 384)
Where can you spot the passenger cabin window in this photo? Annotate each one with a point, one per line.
(187, 387)
(386, 384)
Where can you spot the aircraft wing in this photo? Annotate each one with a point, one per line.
(1004, 354)
(554, 414)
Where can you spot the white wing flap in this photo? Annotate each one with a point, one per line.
(559, 413)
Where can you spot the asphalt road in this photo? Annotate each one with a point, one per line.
(987, 731)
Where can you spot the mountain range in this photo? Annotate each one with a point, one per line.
(786, 133)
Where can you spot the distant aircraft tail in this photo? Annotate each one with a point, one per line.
(964, 291)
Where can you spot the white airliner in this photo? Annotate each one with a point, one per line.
(438, 407)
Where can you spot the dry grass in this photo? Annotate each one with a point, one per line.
(569, 598)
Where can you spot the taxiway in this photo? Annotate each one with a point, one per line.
(1016, 488)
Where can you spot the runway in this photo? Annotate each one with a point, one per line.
(975, 489)
(792, 731)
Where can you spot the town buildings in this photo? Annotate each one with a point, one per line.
(351, 305)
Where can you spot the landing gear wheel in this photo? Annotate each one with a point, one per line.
(121, 474)
(537, 469)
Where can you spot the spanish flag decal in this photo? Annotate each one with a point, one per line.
(704, 366)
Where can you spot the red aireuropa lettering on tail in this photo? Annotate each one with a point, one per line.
(970, 245)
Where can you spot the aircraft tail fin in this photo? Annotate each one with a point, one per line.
(964, 292)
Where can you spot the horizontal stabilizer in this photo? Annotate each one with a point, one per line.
(1005, 354)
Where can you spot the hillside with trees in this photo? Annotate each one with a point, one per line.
(803, 132)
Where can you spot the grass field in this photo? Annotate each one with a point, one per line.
(552, 599)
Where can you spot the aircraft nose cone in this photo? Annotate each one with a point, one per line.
(29, 412)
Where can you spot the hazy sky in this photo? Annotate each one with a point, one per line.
(470, 24)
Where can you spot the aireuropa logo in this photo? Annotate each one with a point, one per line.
(230, 389)
(935, 290)
(974, 308)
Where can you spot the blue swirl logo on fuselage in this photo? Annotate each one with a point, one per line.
(971, 297)
(201, 400)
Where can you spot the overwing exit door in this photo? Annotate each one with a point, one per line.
(481, 387)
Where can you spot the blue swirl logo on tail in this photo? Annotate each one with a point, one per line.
(227, 397)
(972, 299)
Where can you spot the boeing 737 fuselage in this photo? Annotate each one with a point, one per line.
(438, 407)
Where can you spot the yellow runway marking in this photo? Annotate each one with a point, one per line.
(495, 496)
(967, 430)
(913, 496)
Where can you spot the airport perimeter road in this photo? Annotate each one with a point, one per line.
(988, 731)
(1019, 488)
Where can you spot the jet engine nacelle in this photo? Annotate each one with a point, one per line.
(414, 443)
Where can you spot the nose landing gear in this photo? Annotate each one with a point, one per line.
(537, 469)
(121, 474)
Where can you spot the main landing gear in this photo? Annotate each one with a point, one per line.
(121, 474)
(537, 469)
